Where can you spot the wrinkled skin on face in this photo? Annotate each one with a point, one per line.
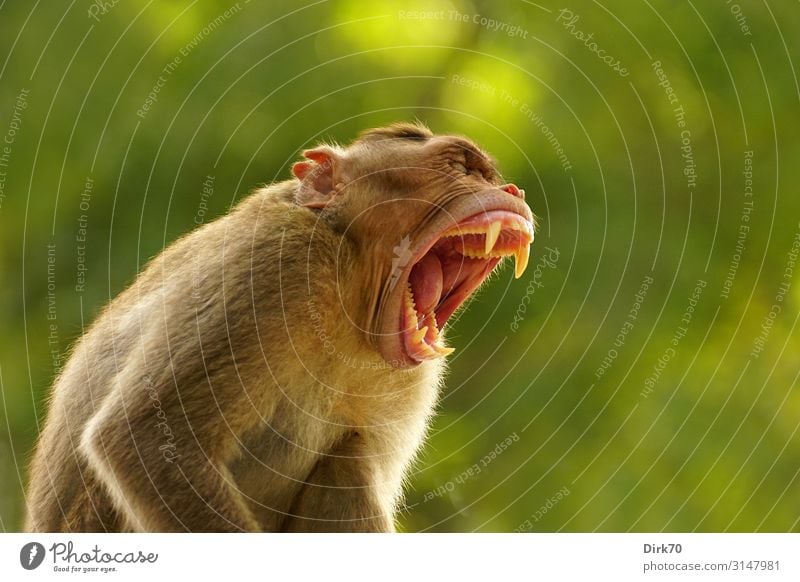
(430, 218)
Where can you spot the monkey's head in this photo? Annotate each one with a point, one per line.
(430, 219)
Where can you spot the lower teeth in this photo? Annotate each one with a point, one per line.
(419, 330)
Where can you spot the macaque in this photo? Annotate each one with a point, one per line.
(276, 369)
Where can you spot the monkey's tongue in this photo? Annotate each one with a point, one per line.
(426, 281)
(437, 284)
(452, 269)
(420, 333)
(422, 296)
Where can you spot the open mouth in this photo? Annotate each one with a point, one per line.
(449, 270)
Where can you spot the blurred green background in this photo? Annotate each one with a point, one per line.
(642, 374)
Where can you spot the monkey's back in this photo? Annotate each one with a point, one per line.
(63, 493)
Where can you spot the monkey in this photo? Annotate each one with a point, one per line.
(276, 370)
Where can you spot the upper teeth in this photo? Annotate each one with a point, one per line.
(521, 257)
(492, 234)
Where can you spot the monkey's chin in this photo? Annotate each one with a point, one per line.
(448, 270)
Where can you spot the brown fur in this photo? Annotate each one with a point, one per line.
(235, 385)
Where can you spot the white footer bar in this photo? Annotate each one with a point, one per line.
(500, 557)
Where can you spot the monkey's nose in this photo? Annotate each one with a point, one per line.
(513, 190)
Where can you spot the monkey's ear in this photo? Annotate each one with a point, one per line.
(320, 178)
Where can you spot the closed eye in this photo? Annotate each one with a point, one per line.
(459, 167)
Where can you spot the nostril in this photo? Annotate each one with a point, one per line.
(513, 190)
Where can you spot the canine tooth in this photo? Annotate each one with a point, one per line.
(442, 351)
(430, 318)
(492, 234)
(521, 260)
(423, 351)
